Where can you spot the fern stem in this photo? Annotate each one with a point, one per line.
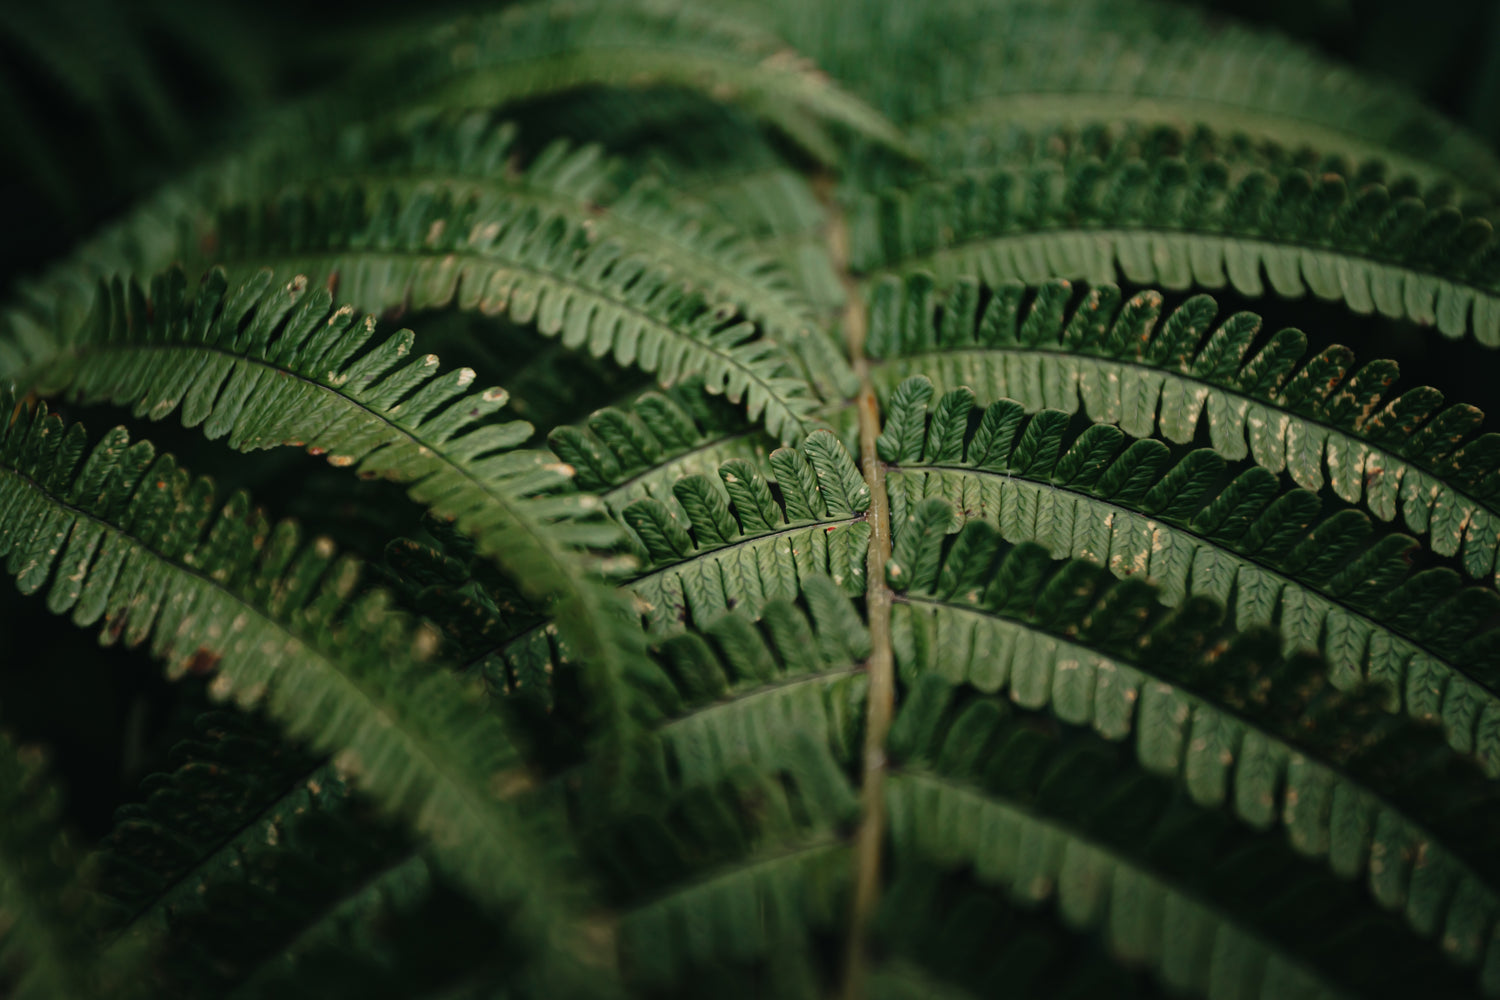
(880, 667)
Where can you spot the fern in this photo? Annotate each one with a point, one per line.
(867, 583)
(1046, 828)
(537, 269)
(1323, 422)
(535, 48)
(1296, 754)
(129, 539)
(402, 423)
(984, 67)
(1201, 224)
(1331, 584)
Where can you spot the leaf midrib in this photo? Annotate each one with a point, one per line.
(700, 553)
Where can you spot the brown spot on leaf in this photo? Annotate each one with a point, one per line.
(202, 662)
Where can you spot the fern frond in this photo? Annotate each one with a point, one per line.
(535, 49)
(130, 539)
(756, 722)
(755, 691)
(1221, 713)
(1110, 146)
(258, 895)
(1330, 583)
(471, 157)
(1169, 886)
(738, 687)
(725, 542)
(1320, 419)
(953, 75)
(413, 923)
(429, 252)
(1182, 224)
(269, 366)
(327, 883)
(752, 863)
(639, 449)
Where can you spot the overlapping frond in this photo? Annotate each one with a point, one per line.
(1107, 146)
(527, 52)
(749, 847)
(954, 74)
(257, 897)
(1321, 420)
(269, 366)
(474, 156)
(430, 251)
(1195, 223)
(535, 49)
(723, 542)
(1328, 582)
(755, 718)
(752, 865)
(120, 536)
(640, 449)
(250, 865)
(1169, 886)
(719, 687)
(1218, 710)
(765, 690)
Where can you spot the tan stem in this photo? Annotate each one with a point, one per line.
(880, 668)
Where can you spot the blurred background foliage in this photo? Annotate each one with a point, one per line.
(100, 100)
(103, 100)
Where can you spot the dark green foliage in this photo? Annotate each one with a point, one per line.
(1269, 554)
(1198, 224)
(1120, 843)
(1325, 421)
(865, 595)
(46, 913)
